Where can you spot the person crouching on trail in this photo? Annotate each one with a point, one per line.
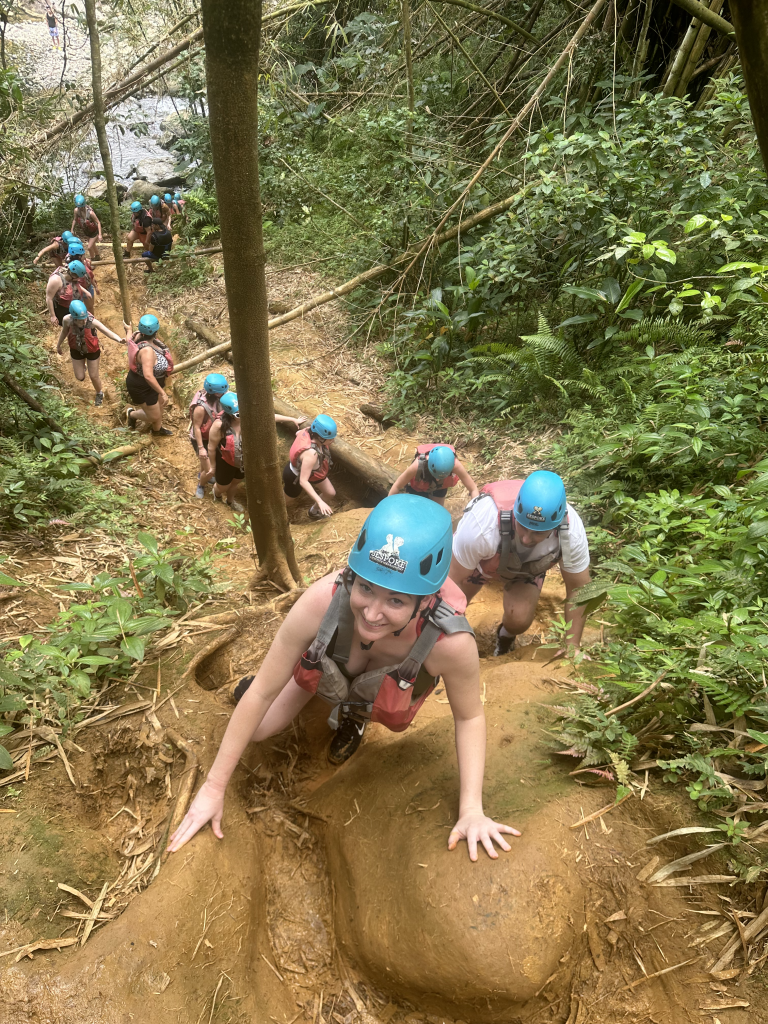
(65, 284)
(159, 243)
(204, 409)
(225, 451)
(57, 248)
(149, 363)
(141, 225)
(434, 469)
(309, 464)
(79, 327)
(391, 606)
(515, 531)
(86, 223)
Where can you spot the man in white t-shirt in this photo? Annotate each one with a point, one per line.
(515, 531)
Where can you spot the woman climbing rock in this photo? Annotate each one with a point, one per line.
(170, 206)
(372, 642)
(141, 225)
(79, 327)
(515, 531)
(309, 464)
(433, 471)
(65, 284)
(204, 409)
(86, 224)
(149, 363)
(57, 248)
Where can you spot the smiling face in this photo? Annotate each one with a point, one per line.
(530, 538)
(378, 611)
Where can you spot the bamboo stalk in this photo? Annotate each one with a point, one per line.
(703, 13)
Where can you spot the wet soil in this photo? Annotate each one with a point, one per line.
(333, 898)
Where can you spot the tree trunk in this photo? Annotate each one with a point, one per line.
(750, 18)
(407, 54)
(232, 38)
(681, 58)
(698, 48)
(106, 158)
(642, 49)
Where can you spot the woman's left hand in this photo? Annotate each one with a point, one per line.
(476, 826)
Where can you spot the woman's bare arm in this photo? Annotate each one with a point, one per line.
(405, 478)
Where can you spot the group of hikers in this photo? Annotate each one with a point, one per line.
(373, 638)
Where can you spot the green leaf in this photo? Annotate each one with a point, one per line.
(584, 293)
(629, 294)
(758, 529)
(8, 581)
(5, 728)
(133, 646)
(741, 265)
(587, 318)
(697, 221)
(148, 541)
(705, 179)
(6, 761)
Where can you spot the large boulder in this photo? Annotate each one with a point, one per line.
(154, 169)
(98, 189)
(143, 190)
(471, 940)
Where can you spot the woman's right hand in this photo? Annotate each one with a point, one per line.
(54, 320)
(324, 508)
(207, 806)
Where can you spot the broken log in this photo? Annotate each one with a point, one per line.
(376, 475)
(205, 334)
(377, 414)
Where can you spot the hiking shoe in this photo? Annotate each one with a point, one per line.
(162, 432)
(314, 512)
(236, 506)
(504, 644)
(99, 398)
(129, 419)
(241, 687)
(348, 738)
(126, 254)
(200, 491)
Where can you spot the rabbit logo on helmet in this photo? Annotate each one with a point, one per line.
(389, 554)
(536, 516)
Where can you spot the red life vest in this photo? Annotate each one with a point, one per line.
(302, 444)
(139, 223)
(389, 694)
(135, 346)
(506, 564)
(211, 413)
(424, 482)
(69, 289)
(83, 339)
(231, 448)
(84, 218)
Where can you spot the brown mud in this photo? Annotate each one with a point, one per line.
(333, 898)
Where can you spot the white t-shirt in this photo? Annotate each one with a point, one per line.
(477, 538)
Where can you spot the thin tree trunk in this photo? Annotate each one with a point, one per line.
(408, 55)
(232, 39)
(698, 48)
(725, 65)
(642, 49)
(106, 158)
(750, 18)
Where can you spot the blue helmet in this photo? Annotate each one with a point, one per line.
(177, 196)
(67, 236)
(540, 504)
(149, 325)
(441, 461)
(136, 206)
(77, 268)
(404, 545)
(323, 426)
(75, 249)
(168, 197)
(79, 200)
(73, 238)
(154, 201)
(78, 310)
(228, 403)
(215, 384)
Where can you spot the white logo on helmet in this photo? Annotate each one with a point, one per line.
(536, 516)
(388, 555)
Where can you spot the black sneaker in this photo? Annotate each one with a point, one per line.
(241, 687)
(129, 419)
(99, 398)
(314, 512)
(126, 254)
(162, 432)
(504, 644)
(348, 738)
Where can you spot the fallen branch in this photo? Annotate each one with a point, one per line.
(91, 920)
(658, 974)
(494, 15)
(639, 697)
(752, 929)
(32, 947)
(182, 798)
(33, 404)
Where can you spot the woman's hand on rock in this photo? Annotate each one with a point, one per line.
(478, 827)
(207, 806)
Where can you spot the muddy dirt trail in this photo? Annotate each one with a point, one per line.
(332, 898)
